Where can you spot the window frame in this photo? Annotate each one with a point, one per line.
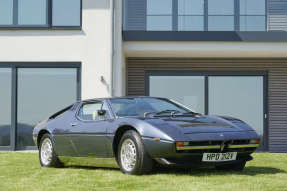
(109, 116)
(14, 105)
(49, 22)
(208, 74)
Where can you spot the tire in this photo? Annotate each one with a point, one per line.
(237, 166)
(141, 162)
(47, 156)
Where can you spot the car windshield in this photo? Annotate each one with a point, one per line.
(124, 107)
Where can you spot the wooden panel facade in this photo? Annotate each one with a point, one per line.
(277, 84)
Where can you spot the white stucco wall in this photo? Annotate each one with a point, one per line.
(92, 46)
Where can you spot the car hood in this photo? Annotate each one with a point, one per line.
(200, 124)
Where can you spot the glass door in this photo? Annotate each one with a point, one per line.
(226, 93)
(241, 97)
(5, 109)
(40, 93)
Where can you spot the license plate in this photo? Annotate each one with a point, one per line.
(219, 157)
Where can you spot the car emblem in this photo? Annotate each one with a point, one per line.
(222, 146)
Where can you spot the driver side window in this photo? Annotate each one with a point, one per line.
(89, 111)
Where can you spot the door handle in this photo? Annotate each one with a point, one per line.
(73, 124)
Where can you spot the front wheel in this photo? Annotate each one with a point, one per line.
(132, 156)
(47, 155)
(237, 166)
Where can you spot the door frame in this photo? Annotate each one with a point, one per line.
(206, 75)
(14, 66)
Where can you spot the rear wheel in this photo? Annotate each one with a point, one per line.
(237, 166)
(47, 155)
(132, 156)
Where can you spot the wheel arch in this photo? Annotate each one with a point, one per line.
(118, 135)
(40, 135)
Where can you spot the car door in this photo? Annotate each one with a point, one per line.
(89, 129)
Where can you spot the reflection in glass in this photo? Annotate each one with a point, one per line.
(42, 92)
(159, 7)
(238, 96)
(252, 23)
(32, 12)
(188, 90)
(221, 7)
(64, 15)
(159, 23)
(190, 7)
(220, 23)
(6, 12)
(5, 103)
(252, 7)
(190, 23)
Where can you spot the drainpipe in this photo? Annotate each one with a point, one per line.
(113, 48)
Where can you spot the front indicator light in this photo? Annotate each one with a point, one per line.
(254, 141)
(156, 139)
(181, 144)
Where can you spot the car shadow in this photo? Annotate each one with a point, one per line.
(91, 167)
(250, 171)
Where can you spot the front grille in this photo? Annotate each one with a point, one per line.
(214, 146)
(206, 143)
(217, 150)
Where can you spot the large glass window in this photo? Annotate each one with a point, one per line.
(188, 90)
(5, 106)
(36, 13)
(6, 12)
(221, 15)
(66, 17)
(252, 15)
(241, 97)
(206, 15)
(190, 15)
(159, 15)
(238, 96)
(32, 12)
(41, 92)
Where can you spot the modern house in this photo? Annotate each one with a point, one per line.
(222, 57)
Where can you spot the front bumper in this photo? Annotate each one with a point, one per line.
(166, 152)
(196, 160)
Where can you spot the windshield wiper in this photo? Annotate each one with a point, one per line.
(191, 113)
(168, 111)
(171, 111)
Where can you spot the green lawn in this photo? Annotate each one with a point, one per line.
(21, 171)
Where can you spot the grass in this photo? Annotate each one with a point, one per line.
(21, 171)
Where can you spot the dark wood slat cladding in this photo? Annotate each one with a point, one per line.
(277, 84)
(277, 15)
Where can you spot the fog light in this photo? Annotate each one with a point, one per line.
(254, 141)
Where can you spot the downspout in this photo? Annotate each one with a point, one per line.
(113, 48)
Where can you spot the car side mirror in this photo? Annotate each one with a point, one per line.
(101, 112)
